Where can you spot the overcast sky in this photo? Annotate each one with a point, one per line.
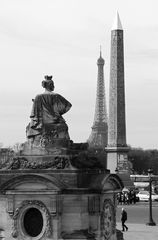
(62, 38)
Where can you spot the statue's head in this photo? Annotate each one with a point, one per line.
(48, 83)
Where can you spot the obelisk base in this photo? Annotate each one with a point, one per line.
(117, 159)
(117, 162)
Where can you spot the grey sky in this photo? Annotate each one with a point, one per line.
(62, 38)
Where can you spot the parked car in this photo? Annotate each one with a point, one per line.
(144, 196)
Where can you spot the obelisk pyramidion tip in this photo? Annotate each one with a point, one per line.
(117, 23)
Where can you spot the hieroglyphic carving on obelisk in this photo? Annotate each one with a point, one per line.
(117, 148)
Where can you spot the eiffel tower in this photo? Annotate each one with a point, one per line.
(98, 136)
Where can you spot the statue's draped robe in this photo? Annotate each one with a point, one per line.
(46, 113)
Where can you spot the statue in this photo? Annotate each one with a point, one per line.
(47, 122)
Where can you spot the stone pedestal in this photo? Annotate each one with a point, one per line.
(117, 159)
(64, 203)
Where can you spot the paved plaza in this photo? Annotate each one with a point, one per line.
(139, 232)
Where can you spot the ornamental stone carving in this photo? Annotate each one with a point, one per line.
(55, 162)
(108, 220)
(18, 218)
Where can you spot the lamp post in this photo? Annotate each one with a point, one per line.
(151, 222)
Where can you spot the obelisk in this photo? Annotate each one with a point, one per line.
(117, 148)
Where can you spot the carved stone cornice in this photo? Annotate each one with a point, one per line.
(20, 162)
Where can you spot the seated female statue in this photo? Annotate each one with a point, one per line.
(46, 115)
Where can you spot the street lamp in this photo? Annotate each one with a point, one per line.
(151, 222)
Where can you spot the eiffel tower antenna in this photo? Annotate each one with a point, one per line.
(100, 51)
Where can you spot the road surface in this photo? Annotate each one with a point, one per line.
(138, 213)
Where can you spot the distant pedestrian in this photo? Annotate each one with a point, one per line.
(124, 219)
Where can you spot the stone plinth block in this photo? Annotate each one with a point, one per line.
(58, 204)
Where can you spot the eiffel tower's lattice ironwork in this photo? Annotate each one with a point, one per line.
(98, 136)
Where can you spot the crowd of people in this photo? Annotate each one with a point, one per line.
(127, 197)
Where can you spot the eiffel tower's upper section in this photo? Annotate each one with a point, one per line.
(98, 137)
